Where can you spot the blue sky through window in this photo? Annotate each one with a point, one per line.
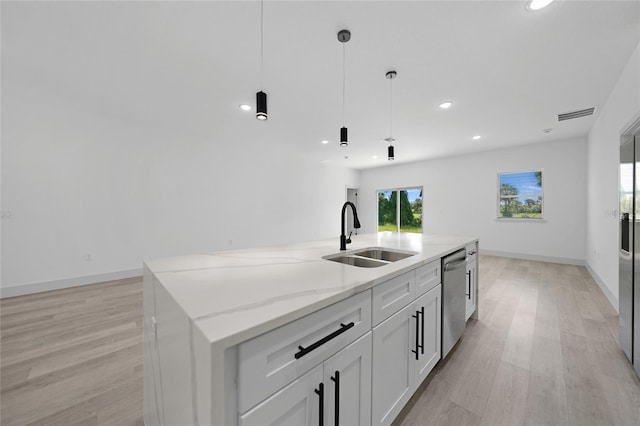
(526, 183)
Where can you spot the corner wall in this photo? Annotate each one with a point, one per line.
(92, 196)
(621, 109)
(460, 198)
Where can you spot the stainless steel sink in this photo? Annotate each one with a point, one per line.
(384, 254)
(362, 262)
(370, 257)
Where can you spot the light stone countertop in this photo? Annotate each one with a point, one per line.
(233, 296)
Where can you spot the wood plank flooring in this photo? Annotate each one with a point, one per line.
(543, 352)
(72, 356)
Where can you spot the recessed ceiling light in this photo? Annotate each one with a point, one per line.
(324, 142)
(547, 130)
(445, 105)
(374, 157)
(245, 107)
(538, 4)
(476, 137)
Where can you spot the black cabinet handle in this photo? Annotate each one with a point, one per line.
(336, 380)
(320, 392)
(417, 317)
(422, 332)
(303, 351)
(469, 282)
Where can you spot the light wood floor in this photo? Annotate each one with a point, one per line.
(544, 352)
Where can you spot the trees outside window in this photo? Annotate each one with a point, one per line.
(520, 195)
(400, 210)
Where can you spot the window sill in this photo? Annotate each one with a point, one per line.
(510, 219)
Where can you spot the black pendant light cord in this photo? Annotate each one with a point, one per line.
(261, 43)
(344, 79)
(391, 108)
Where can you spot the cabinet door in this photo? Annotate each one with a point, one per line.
(393, 365)
(472, 282)
(429, 306)
(298, 404)
(347, 384)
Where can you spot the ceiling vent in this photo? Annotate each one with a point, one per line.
(576, 114)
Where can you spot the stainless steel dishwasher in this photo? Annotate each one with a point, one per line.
(454, 287)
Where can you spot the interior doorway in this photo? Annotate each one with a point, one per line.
(352, 195)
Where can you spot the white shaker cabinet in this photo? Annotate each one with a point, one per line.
(430, 308)
(406, 347)
(472, 281)
(393, 367)
(295, 405)
(337, 392)
(347, 385)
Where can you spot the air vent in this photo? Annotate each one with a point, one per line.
(576, 114)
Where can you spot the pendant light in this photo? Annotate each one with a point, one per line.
(343, 37)
(261, 97)
(390, 140)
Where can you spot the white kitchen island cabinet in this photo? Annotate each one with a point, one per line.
(249, 337)
(406, 347)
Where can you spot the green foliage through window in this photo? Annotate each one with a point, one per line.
(403, 205)
(520, 195)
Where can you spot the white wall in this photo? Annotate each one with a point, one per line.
(81, 182)
(620, 110)
(460, 197)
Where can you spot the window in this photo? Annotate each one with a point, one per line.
(400, 210)
(520, 195)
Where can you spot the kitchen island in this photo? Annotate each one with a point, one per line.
(234, 337)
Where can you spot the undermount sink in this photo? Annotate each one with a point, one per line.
(370, 257)
(384, 254)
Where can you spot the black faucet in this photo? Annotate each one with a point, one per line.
(356, 224)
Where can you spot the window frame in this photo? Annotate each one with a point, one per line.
(520, 219)
(398, 189)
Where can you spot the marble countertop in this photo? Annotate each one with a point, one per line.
(232, 296)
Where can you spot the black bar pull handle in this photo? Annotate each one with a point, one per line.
(303, 351)
(336, 380)
(417, 317)
(469, 282)
(320, 392)
(422, 332)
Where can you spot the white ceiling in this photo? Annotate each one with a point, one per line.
(188, 65)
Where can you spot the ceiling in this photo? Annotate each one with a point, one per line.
(189, 65)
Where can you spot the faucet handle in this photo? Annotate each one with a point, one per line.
(349, 237)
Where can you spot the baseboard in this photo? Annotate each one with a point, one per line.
(20, 290)
(612, 299)
(550, 259)
(567, 261)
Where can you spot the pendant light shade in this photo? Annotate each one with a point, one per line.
(343, 136)
(390, 150)
(261, 105)
(343, 37)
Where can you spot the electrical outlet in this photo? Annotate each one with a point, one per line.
(88, 257)
(5, 214)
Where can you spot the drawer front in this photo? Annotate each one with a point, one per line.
(269, 362)
(427, 277)
(391, 296)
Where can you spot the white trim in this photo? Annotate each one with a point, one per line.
(551, 259)
(19, 290)
(520, 219)
(612, 299)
